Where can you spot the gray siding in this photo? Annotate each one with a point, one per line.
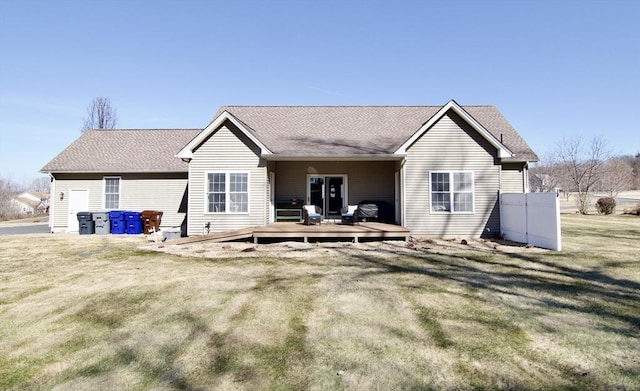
(451, 145)
(138, 192)
(366, 180)
(512, 178)
(227, 150)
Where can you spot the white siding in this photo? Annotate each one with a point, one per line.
(138, 192)
(227, 150)
(512, 178)
(451, 145)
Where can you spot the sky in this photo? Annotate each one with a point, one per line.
(555, 69)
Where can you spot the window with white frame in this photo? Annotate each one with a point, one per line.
(451, 192)
(111, 193)
(227, 192)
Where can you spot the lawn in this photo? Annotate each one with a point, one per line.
(97, 312)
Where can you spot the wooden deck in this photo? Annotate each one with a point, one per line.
(291, 230)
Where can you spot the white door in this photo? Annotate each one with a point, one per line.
(78, 202)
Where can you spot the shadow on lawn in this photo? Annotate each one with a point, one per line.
(547, 288)
(553, 285)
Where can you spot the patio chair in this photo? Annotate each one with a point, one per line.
(348, 214)
(312, 214)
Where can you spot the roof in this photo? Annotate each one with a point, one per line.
(27, 201)
(33, 195)
(316, 131)
(123, 151)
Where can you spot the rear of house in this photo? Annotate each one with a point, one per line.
(436, 170)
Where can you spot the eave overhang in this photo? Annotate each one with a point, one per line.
(324, 158)
(52, 172)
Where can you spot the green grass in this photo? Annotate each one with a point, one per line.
(100, 313)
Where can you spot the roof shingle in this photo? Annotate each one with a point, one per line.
(124, 150)
(352, 130)
(305, 131)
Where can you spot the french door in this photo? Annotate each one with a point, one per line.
(329, 192)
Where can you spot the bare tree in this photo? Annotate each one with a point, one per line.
(100, 115)
(583, 164)
(617, 176)
(547, 175)
(41, 184)
(8, 191)
(636, 172)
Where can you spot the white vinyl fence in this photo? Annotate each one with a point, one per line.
(532, 218)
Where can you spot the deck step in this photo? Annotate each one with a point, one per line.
(225, 236)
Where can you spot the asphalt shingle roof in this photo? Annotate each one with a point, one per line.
(124, 150)
(305, 131)
(348, 130)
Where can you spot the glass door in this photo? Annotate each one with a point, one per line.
(315, 191)
(335, 196)
(327, 192)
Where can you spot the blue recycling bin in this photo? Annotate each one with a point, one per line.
(118, 224)
(133, 221)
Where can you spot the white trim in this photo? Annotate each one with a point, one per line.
(53, 200)
(452, 192)
(187, 151)
(226, 191)
(503, 152)
(403, 197)
(272, 197)
(396, 197)
(104, 191)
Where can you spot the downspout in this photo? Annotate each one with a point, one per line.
(52, 201)
(403, 210)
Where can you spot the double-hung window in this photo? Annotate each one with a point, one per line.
(227, 192)
(451, 192)
(111, 192)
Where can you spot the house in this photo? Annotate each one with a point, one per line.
(124, 169)
(31, 203)
(439, 168)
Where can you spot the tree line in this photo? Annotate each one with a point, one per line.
(580, 167)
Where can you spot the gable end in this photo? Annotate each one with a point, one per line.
(503, 152)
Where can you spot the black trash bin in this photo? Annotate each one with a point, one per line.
(86, 225)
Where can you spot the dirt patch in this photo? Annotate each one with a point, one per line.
(291, 249)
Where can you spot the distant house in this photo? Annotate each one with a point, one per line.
(31, 203)
(439, 168)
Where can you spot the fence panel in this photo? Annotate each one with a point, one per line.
(532, 218)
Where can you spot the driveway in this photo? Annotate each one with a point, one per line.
(26, 226)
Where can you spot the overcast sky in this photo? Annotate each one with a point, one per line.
(554, 68)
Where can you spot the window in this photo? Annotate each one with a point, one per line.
(111, 193)
(451, 192)
(227, 192)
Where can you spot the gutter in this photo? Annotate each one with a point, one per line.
(352, 157)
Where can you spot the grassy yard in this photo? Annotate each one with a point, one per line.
(95, 312)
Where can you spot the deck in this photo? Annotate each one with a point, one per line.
(291, 230)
